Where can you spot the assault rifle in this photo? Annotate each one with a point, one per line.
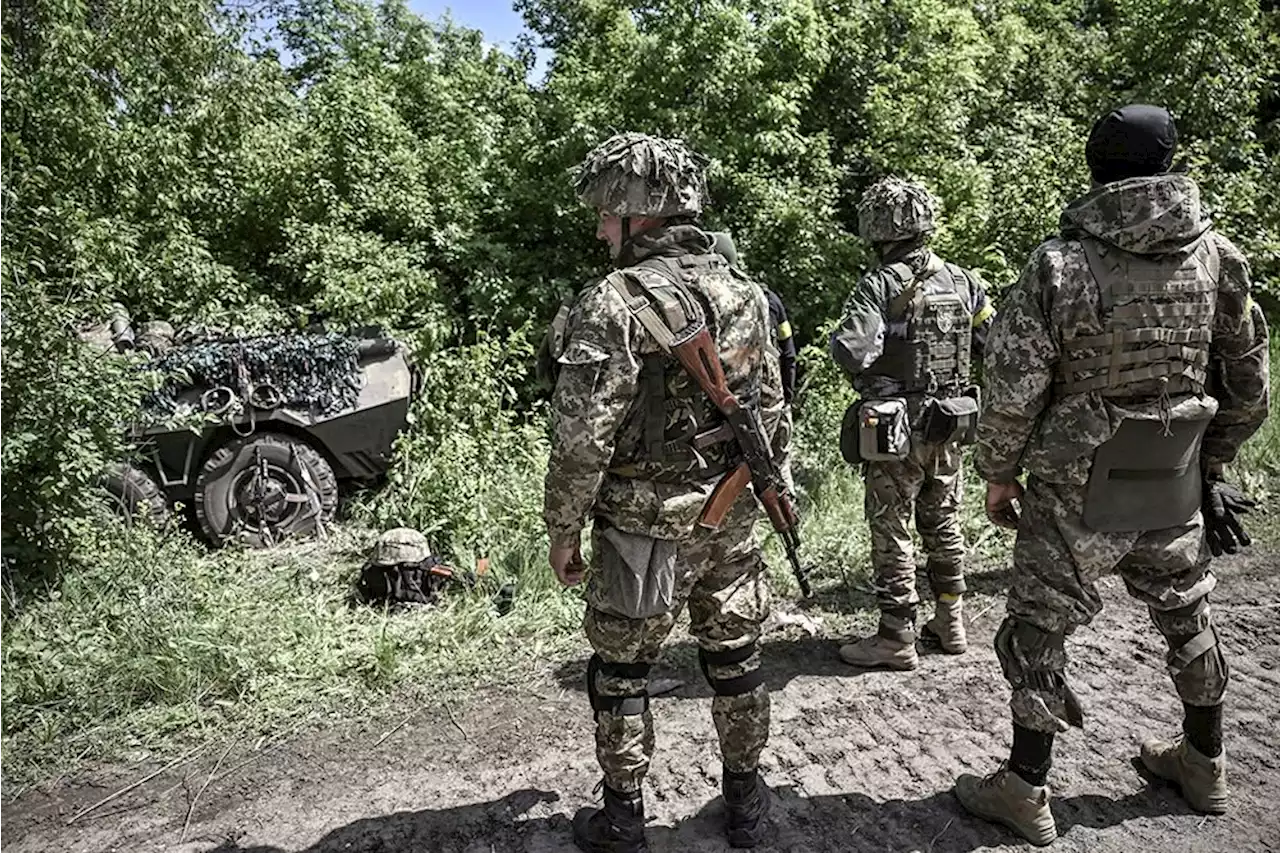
(698, 356)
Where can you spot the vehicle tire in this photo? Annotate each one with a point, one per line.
(263, 489)
(132, 492)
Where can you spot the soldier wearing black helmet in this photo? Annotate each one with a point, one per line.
(1126, 369)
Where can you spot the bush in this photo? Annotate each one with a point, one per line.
(65, 406)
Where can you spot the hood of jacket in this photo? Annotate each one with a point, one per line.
(1154, 215)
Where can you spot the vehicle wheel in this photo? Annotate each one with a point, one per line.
(132, 493)
(263, 489)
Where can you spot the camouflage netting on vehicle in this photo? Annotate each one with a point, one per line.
(319, 373)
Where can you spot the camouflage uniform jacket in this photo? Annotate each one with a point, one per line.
(600, 464)
(859, 340)
(1030, 422)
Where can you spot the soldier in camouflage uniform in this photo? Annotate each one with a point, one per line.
(1126, 369)
(635, 449)
(910, 329)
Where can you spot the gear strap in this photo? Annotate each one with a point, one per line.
(621, 706)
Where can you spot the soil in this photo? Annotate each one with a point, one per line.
(858, 761)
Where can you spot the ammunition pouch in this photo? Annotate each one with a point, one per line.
(737, 685)
(629, 705)
(882, 429)
(635, 576)
(1146, 476)
(954, 419)
(849, 434)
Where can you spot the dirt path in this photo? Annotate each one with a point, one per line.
(859, 761)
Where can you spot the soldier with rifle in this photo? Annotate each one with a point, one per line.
(667, 398)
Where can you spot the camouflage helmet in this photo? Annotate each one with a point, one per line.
(893, 209)
(634, 174)
(401, 545)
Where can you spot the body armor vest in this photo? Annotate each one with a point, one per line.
(683, 430)
(933, 356)
(1156, 313)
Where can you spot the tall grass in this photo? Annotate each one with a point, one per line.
(153, 641)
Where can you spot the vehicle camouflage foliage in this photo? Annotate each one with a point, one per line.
(257, 432)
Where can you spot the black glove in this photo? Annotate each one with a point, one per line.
(1223, 504)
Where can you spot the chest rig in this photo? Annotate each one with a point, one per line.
(932, 357)
(682, 432)
(1156, 314)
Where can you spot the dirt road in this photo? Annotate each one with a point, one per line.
(858, 761)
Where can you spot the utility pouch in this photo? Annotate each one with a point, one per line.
(1146, 477)
(884, 430)
(849, 428)
(952, 419)
(635, 575)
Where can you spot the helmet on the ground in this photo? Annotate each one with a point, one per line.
(893, 209)
(401, 545)
(634, 174)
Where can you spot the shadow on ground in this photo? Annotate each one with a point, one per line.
(825, 823)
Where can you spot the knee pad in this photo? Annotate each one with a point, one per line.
(1036, 660)
(737, 685)
(1196, 665)
(619, 705)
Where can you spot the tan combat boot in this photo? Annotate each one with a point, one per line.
(1007, 798)
(946, 629)
(1203, 780)
(892, 647)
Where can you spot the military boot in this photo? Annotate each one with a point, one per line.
(1203, 780)
(946, 629)
(891, 647)
(746, 800)
(1007, 798)
(617, 827)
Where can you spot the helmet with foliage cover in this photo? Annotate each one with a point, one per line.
(634, 174)
(893, 209)
(399, 546)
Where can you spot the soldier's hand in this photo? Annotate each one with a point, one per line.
(567, 563)
(1001, 508)
(1223, 505)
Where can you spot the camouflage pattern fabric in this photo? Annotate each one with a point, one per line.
(599, 425)
(927, 484)
(1025, 423)
(1057, 562)
(600, 467)
(316, 372)
(720, 576)
(893, 209)
(400, 545)
(634, 174)
(1028, 422)
(860, 339)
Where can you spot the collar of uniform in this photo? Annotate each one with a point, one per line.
(665, 241)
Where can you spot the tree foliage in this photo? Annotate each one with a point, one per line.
(271, 164)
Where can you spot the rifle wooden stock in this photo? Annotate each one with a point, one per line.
(723, 496)
(700, 360)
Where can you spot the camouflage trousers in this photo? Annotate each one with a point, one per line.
(1057, 560)
(927, 485)
(720, 575)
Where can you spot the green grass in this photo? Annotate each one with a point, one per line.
(153, 643)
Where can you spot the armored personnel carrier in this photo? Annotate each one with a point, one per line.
(257, 433)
